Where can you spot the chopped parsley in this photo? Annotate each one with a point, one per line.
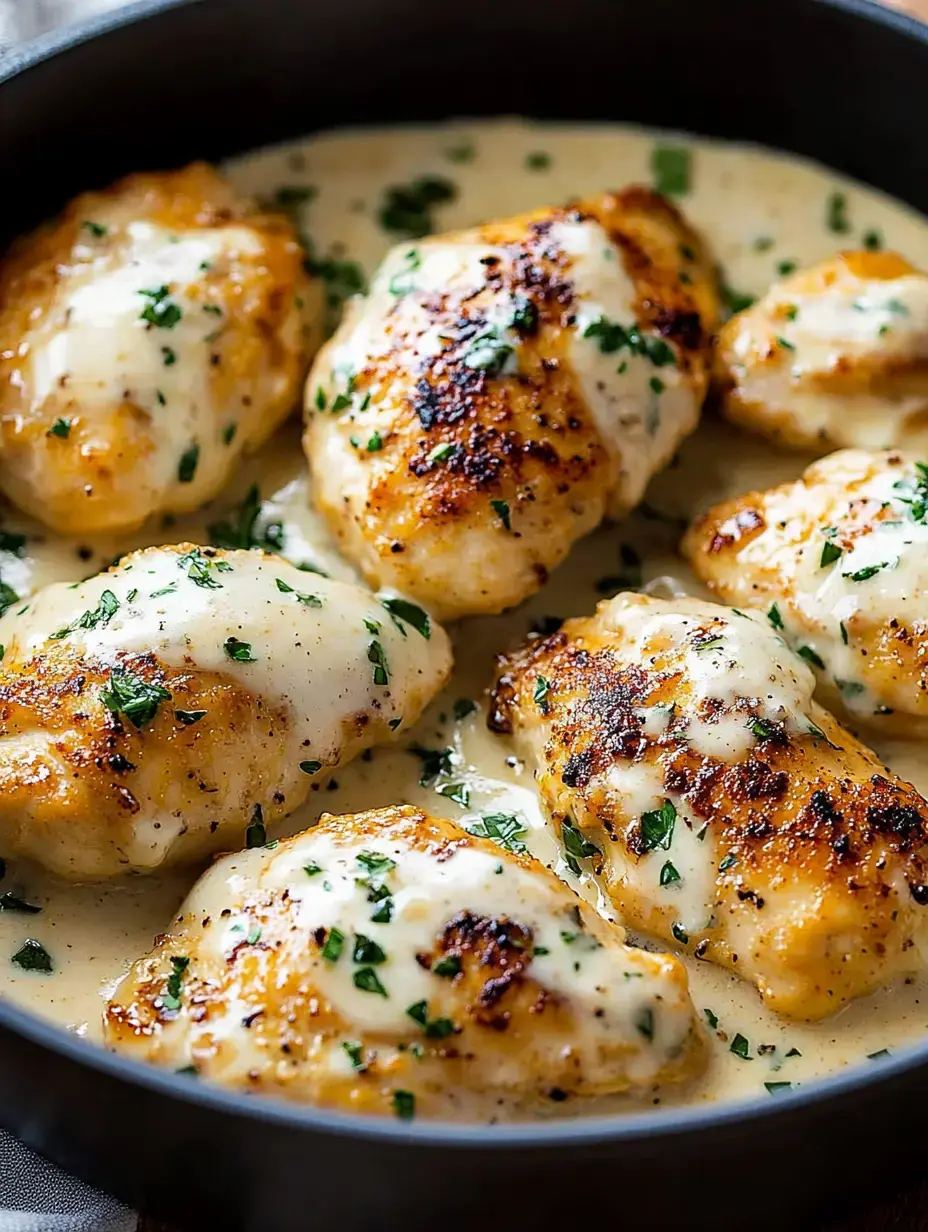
(657, 827)
(33, 956)
(404, 1105)
(290, 195)
(355, 1054)
(310, 767)
(537, 160)
(765, 729)
(12, 902)
(869, 571)
(228, 433)
(375, 863)
(669, 874)
(434, 762)
(160, 309)
(202, 569)
(367, 951)
(8, 597)
(239, 652)
(463, 707)
(406, 209)
(60, 428)
(402, 281)
(168, 356)
(576, 847)
(132, 696)
(836, 214)
(773, 615)
(645, 1022)
(433, 1028)
(611, 337)
(727, 862)
(671, 168)
(410, 614)
(872, 241)
(501, 828)
(450, 966)
(286, 589)
(96, 229)
(741, 1047)
(256, 833)
(501, 509)
(170, 999)
(811, 656)
(377, 656)
(487, 351)
(367, 980)
(189, 717)
(830, 553)
(732, 301)
(463, 153)
(711, 1019)
(187, 466)
(440, 453)
(98, 617)
(334, 944)
(540, 694)
(343, 278)
(458, 792)
(242, 532)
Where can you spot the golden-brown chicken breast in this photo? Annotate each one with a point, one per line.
(387, 961)
(680, 754)
(833, 356)
(502, 389)
(148, 336)
(839, 561)
(163, 710)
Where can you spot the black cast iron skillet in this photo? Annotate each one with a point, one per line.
(162, 82)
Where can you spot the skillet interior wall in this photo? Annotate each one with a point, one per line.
(221, 76)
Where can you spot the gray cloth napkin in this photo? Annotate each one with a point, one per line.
(35, 1196)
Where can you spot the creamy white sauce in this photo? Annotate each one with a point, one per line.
(96, 340)
(739, 197)
(300, 641)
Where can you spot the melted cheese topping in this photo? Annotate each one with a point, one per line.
(608, 987)
(259, 619)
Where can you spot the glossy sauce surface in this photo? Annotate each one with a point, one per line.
(762, 213)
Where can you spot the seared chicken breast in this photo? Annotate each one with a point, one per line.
(682, 759)
(187, 698)
(839, 562)
(833, 356)
(148, 336)
(502, 389)
(385, 961)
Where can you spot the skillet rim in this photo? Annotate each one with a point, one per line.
(672, 1122)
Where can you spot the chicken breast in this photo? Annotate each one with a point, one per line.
(502, 389)
(839, 561)
(833, 356)
(186, 699)
(387, 961)
(148, 336)
(681, 756)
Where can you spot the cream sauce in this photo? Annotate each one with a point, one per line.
(757, 210)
